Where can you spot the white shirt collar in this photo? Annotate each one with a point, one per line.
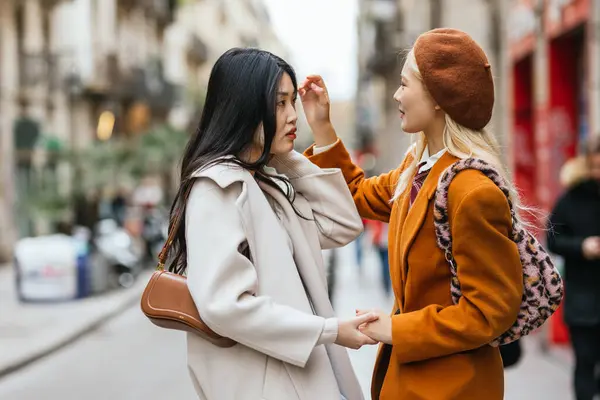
(430, 160)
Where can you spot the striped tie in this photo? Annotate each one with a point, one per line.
(418, 182)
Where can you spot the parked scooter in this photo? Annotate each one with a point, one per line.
(123, 254)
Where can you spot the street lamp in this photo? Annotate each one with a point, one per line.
(74, 88)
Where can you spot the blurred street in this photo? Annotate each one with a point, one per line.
(98, 99)
(130, 359)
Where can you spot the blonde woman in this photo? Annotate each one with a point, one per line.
(431, 347)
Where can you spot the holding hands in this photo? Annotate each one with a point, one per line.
(367, 328)
(349, 334)
(379, 330)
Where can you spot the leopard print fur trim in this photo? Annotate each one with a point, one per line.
(542, 284)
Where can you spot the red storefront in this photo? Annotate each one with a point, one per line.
(549, 115)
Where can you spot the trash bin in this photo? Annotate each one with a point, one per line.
(46, 268)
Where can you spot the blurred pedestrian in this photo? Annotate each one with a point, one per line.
(575, 235)
(119, 206)
(432, 347)
(366, 160)
(87, 209)
(359, 242)
(379, 235)
(257, 216)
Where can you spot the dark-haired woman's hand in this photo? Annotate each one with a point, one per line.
(315, 101)
(379, 330)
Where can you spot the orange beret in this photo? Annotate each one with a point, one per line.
(457, 74)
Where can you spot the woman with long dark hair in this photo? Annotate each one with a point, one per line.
(256, 219)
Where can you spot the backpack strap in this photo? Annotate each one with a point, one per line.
(440, 215)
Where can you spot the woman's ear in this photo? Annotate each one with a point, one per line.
(437, 108)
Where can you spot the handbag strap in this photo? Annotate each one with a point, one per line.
(178, 215)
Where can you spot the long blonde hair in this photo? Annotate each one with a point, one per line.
(461, 142)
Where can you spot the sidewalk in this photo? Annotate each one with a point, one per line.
(363, 290)
(31, 331)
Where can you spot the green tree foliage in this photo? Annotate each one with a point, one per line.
(119, 161)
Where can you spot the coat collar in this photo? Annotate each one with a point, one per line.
(415, 216)
(224, 173)
(430, 160)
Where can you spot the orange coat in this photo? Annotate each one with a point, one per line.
(439, 350)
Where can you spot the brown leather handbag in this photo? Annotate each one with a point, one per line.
(167, 302)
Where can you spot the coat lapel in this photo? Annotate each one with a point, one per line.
(397, 225)
(310, 269)
(246, 213)
(418, 211)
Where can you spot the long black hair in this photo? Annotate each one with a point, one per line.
(241, 95)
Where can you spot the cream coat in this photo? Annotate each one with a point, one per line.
(263, 304)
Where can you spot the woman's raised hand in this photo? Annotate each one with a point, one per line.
(316, 104)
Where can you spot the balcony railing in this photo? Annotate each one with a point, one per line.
(106, 76)
(387, 45)
(197, 52)
(162, 10)
(382, 10)
(39, 69)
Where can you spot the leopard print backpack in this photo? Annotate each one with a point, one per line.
(542, 284)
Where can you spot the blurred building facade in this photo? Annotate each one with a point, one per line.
(546, 61)
(74, 72)
(554, 55)
(555, 92)
(203, 30)
(387, 29)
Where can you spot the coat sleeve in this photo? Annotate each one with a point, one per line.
(491, 278)
(333, 209)
(224, 284)
(372, 196)
(561, 239)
